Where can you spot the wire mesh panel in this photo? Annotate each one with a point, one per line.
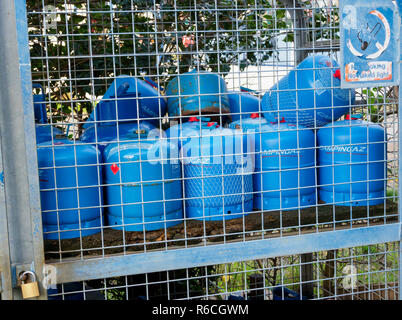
(174, 124)
(359, 273)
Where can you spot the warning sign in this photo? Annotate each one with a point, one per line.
(369, 43)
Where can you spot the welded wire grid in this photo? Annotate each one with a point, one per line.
(358, 273)
(77, 51)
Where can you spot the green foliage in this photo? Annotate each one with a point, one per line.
(77, 57)
(380, 102)
(323, 23)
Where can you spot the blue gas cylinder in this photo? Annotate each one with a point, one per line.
(352, 162)
(181, 133)
(250, 127)
(103, 135)
(197, 92)
(242, 105)
(39, 103)
(284, 167)
(133, 99)
(218, 176)
(70, 189)
(144, 188)
(310, 94)
(252, 122)
(46, 132)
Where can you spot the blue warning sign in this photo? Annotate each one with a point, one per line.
(369, 43)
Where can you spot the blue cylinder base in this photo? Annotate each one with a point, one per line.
(217, 214)
(288, 203)
(151, 222)
(76, 233)
(358, 199)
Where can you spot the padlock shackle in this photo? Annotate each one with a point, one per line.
(28, 272)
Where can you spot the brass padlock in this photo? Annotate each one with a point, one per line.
(30, 289)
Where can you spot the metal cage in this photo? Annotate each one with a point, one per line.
(158, 149)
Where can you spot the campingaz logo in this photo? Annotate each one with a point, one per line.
(344, 149)
(288, 152)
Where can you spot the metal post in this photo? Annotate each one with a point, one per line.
(5, 267)
(399, 151)
(300, 29)
(22, 203)
(307, 275)
(298, 19)
(256, 286)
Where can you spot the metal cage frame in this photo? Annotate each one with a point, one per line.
(20, 203)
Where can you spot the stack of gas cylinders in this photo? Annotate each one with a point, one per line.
(223, 155)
